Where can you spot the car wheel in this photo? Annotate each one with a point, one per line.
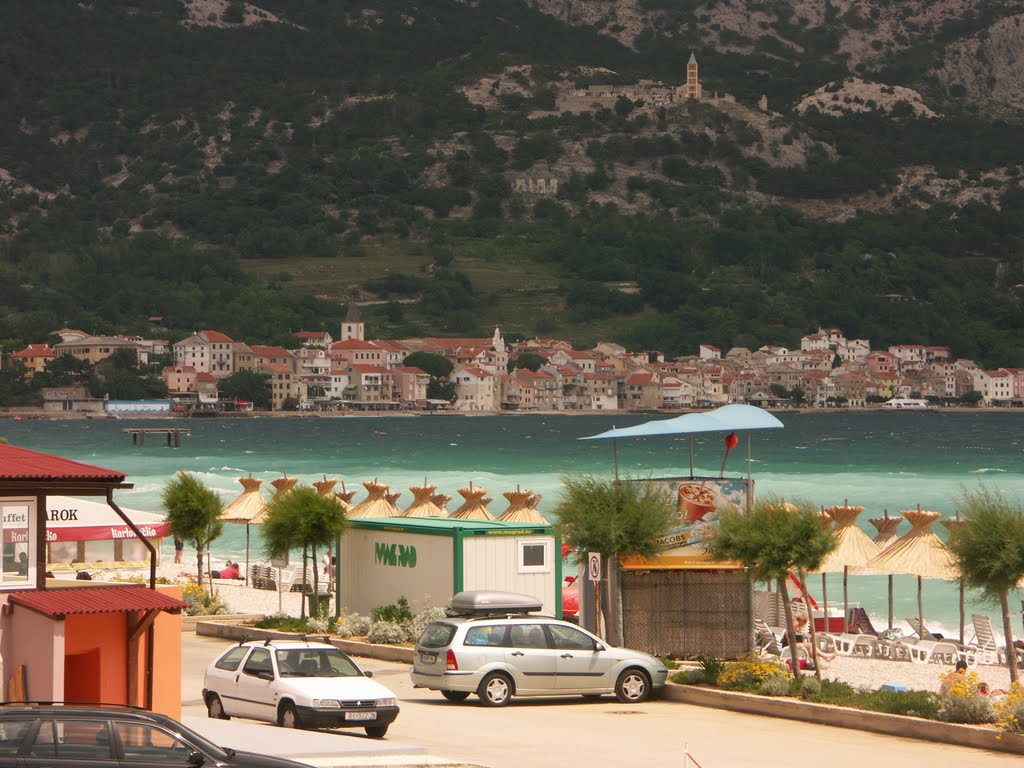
(215, 709)
(495, 690)
(633, 686)
(455, 695)
(376, 731)
(288, 716)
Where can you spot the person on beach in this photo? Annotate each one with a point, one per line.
(229, 571)
(796, 635)
(179, 546)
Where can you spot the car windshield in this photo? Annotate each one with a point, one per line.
(315, 662)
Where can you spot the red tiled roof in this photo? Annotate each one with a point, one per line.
(310, 334)
(23, 464)
(66, 601)
(262, 350)
(217, 337)
(35, 350)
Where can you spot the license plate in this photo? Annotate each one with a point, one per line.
(428, 658)
(360, 715)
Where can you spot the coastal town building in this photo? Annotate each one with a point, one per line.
(34, 357)
(827, 370)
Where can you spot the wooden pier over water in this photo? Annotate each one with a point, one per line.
(173, 435)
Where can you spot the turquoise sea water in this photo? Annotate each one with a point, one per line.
(879, 461)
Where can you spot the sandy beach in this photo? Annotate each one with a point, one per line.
(857, 671)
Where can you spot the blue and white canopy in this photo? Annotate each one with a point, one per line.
(728, 418)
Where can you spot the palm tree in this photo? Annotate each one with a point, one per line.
(988, 549)
(193, 511)
(613, 518)
(303, 519)
(772, 538)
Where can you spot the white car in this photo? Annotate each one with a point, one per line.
(297, 684)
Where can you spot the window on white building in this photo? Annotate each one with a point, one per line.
(18, 530)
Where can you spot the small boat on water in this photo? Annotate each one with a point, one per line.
(907, 404)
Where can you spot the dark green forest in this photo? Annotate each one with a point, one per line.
(258, 178)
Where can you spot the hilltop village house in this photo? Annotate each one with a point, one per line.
(352, 372)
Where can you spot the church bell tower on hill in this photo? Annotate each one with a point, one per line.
(694, 90)
(353, 327)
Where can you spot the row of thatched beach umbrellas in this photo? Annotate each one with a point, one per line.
(918, 553)
(250, 507)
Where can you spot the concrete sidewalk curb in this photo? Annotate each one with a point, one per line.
(978, 737)
(228, 631)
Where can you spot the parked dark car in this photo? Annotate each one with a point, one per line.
(51, 735)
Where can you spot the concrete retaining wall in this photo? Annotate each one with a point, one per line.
(843, 717)
(351, 647)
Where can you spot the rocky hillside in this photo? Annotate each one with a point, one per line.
(545, 166)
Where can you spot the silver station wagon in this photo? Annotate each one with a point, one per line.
(497, 648)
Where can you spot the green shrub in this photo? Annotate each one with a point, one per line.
(387, 633)
(354, 625)
(835, 692)
(1010, 709)
(201, 602)
(807, 687)
(712, 667)
(915, 703)
(395, 613)
(774, 686)
(690, 677)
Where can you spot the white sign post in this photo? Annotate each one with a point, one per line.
(594, 574)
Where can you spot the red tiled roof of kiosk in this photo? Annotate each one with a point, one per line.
(23, 464)
(72, 600)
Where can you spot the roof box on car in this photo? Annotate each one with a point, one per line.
(480, 602)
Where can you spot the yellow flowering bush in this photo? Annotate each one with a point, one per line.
(750, 672)
(1010, 709)
(200, 601)
(961, 701)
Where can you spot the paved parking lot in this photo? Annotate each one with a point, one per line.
(569, 731)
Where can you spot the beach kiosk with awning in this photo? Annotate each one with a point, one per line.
(681, 601)
(82, 534)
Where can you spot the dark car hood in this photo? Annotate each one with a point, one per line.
(252, 760)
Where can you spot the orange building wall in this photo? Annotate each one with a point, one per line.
(105, 637)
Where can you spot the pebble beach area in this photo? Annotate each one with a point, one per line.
(859, 672)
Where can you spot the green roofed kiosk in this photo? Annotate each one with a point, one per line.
(430, 559)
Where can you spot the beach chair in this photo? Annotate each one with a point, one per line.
(984, 644)
(931, 643)
(767, 641)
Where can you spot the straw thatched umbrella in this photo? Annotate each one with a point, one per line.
(854, 550)
(325, 487)
(885, 538)
(283, 485)
(393, 499)
(248, 507)
(344, 497)
(475, 505)
(422, 502)
(441, 500)
(919, 553)
(376, 503)
(522, 508)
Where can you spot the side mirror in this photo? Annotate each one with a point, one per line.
(599, 647)
(368, 673)
(265, 675)
(196, 758)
